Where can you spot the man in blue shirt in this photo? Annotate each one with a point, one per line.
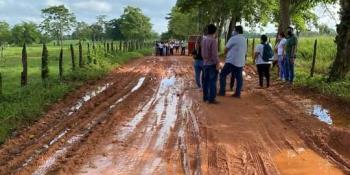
(236, 50)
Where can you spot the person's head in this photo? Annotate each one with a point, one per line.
(281, 35)
(263, 39)
(290, 31)
(239, 29)
(211, 29)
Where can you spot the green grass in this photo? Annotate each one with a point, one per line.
(20, 106)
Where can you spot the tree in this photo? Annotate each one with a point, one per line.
(57, 21)
(82, 31)
(5, 33)
(26, 32)
(113, 30)
(97, 32)
(341, 65)
(135, 25)
(325, 30)
(180, 23)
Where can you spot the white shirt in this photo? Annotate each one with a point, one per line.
(280, 46)
(260, 50)
(237, 50)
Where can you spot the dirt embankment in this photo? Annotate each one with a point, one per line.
(148, 118)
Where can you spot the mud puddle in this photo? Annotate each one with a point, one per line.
(304, 161)
(141, 141)
(49, 162)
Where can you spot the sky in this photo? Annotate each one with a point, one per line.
(16, 11)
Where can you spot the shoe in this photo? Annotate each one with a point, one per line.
(213, 102)
(236, 96)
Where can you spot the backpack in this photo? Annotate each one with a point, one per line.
(268, 53)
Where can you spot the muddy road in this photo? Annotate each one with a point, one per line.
(147, 117)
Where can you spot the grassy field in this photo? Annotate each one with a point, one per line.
(19, 106)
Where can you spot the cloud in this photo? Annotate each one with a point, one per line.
(93, 5)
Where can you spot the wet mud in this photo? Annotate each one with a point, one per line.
(147, 117)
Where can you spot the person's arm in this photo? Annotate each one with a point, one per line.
(294, 50)
(215, 55)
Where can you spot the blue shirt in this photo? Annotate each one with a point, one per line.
(237, 50)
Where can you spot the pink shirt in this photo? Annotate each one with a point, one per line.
(210, 50)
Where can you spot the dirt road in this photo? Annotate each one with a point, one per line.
(147, 117)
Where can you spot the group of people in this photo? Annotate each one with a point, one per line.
(170, 48)
(207, 63)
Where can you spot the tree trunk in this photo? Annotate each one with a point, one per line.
(81, 63)
(284, 22)
(44, 64)
(341, 65)
(72, 56)
(231, 27)
(220, 28)
(24, 73)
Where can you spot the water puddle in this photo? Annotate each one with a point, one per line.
(87, 97)
(303, 161)
(322, 114)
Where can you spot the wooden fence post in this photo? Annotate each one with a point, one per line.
(313, 60)
(44, 64)
(253, 48)
(88, 53)
(81, 62)
(108, 49)
(0, 84)
(112, 47)
(72, 56)
(60, 64)
(2, 51)
(24, 73)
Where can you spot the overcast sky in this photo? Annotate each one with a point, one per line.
(15, 11)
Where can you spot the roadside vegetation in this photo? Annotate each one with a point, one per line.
(105, 45)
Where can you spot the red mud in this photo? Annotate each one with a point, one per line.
(148, 118)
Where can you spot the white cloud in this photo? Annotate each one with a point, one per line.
(54, 2)
(93, 5)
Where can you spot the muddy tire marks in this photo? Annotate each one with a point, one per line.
(147, 118)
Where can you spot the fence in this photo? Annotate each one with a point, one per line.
(85, 55)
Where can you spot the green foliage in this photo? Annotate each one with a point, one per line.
(135, 25)
(57, 21)
(5, 33)
(26, 32)
(18, 106)
(181, 25)
(82, 31)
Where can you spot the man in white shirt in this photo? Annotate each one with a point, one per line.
(236, 50)
(262, 65)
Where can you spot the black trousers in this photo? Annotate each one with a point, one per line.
(264, 71)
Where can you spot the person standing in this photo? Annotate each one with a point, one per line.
(263, 59)
(210, 64)
(280, 50)
(161, 46)
(198, 62)
(235, 50)
(290, 55)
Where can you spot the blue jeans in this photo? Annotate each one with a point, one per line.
(226, 70)
(198, 68)
(210, 76)
(238, 74)
(289, 69)
(281, 66)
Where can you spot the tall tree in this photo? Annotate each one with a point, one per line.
(135, 25)
(26, 32)
(341, 65)
(5, 33)
(57, 21)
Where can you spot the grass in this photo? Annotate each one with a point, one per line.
(23, 105)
